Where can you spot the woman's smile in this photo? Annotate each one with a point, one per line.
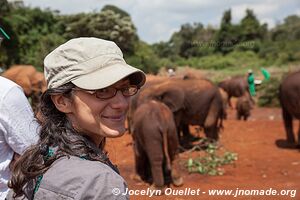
(115, 118)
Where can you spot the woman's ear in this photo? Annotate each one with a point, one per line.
(62, 103)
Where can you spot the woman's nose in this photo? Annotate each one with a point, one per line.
(120, 101)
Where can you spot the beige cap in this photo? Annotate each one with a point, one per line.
(89, 63)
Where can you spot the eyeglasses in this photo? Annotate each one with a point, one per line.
(110, 92)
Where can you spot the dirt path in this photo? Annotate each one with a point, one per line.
(261, 163)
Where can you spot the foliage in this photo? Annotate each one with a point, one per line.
(211, 163)
(289, 30)
(163, 49)
(195, 40)
(4, 7)
(227, 36)
(280, 52)
(268, 92)
(29, 44)
(232, 47)
(110, 24)
(190, 41)
(116, 10)
(250, 28)
(235, 60)
(144, 58)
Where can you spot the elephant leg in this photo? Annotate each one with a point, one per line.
(229, 101)
(179, 131)
(245, 116)
(185, 140)
(252, 102)
(156, 156)
(177, 180)
(186, 130)
(238, 116)
(211, 132)
(129, 125)
(141, 163)
(298, 145)
(288, 124)
(187, 134)
(179, 128)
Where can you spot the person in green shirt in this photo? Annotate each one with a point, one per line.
(251, 83)
(265, 73)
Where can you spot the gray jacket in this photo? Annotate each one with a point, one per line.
(76, 178)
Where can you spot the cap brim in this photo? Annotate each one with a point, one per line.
(109, 75)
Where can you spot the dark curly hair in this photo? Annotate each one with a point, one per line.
(55, 131)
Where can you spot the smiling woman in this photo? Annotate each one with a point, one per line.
(89, 86)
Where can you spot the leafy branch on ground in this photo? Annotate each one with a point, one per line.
(210, 162)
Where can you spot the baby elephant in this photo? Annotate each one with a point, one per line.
(156, 145)
(243, 107)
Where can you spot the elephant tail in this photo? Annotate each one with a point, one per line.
(220, 122)
(222, 111)
(165, 149)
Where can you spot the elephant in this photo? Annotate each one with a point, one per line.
(235, 87)
(32, 81)
(289, 97)
(27, 77)
(20, 74)
(243, 107)
(156, 145)
(150, 81)
(192, 101)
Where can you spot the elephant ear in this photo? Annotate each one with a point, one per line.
(173, 98)
(38, 82)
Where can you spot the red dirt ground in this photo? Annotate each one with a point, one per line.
(261, 163)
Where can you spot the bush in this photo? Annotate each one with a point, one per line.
(253, 46)
(268, 93)
(144, 58)
(280, 52)
(235, 59)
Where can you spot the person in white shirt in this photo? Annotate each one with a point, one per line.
(18, 128)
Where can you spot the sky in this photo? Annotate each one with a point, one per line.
(157, 20)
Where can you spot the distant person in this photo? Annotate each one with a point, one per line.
(89, 88)
(266, 74)
(171, 72)
(251, 82)
(18, 129)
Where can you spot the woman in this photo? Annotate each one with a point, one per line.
(89, 86)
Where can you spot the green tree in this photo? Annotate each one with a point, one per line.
(250, 27)
(288, 30)
(4, 8)
(111, 23)
(163, 49)
(192, 40)
(9, 48)
(28, 44)
(112, 26)
(227, 35)
(186, 35)
(283, 46)
(116, 10)
(144, 58)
